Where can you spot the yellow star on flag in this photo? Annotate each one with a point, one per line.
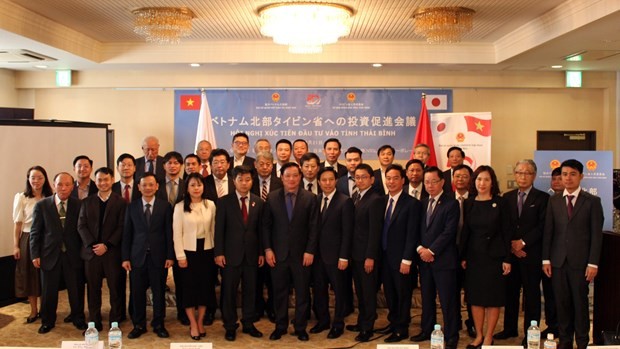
(479, 126)
(190, 102)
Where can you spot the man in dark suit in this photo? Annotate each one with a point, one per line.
(346, 184)
(331, 150)
(219, 183)
(290, 242)
(55, 249)
(386, 158)
(365, 251)
(399, 235)
(264, 183)
(203, 153)
(571, 251)
(527, 207)
(84, 186)
(147, 253)
(415, 176)
(284, 149)
(456, 157)
(240, 147)
(300, 147)
(309, 163)
(101, 228)
(333, 253)
(151, 161)
(438, 254)
(238, 226)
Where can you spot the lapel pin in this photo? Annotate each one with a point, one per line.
(494, 205)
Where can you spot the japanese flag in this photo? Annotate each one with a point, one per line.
(437, 102)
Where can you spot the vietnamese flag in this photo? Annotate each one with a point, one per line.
(190, 102)
(480, 126)
(424, 134)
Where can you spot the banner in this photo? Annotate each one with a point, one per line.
(469, 131)
(597, 175)
(366, 119)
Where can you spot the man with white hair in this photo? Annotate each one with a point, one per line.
(151, 161)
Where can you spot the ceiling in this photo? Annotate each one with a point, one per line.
(507, 35)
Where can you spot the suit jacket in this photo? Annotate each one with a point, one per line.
(423, 193)
(576, 240)
(210, 191)
(290, 239)
(275, 183)
(47, 234)
(447, 181)
(335, 228)
(530, 225)
(135, 192)
(247, 161)
(160, 173)
(92, 189)
(342, 169)
(162, 192)
(111, 229)
(378, 184)
(342, 185)
(403, 229)
(366, 241)
(439, 233)
(235, 239)
(185, 226)
(157, 236)
(497, 239)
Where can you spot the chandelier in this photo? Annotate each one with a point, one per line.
(305, 26)
(443, 25)
(163, 25)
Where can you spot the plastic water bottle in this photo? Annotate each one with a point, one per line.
(115, 337)
(533, 335)
(437, 338)
(550, 343)
(91, 336)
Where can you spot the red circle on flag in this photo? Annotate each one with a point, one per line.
(436, 102)
(441, 127)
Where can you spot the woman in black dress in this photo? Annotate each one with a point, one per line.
(486, 248)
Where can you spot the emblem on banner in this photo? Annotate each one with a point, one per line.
(275, 97)
(554, 163)
(313, 99)
(351, 97)
(460, 137)
(591, 165)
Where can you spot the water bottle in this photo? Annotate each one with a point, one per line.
(550, 343)
(437, 338)
(91, 336)
(533, 335)
(115, 337)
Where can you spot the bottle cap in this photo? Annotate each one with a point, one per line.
(91, 324)
(437, 327)
(550, 336)
(115, 324)
(534, 323)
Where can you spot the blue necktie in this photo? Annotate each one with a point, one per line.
(386, 224)
(290, 204)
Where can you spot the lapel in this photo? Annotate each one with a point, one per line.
(237, 207)
(53, 210)
(325, 213)
(437, 208)
(140, 206)
(396, 208)
(578, 203)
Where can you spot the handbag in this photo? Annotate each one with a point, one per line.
(611, 337)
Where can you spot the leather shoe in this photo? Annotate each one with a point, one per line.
(136, 332)
(302, 335)
(208, 319)
(81, 325)
(230, 335)
(45, 329)
(353, 328)
(271, 316)
(395, 337)
(504, 335)
(385, 330)
(363, 336)
(253, 332)
(276, 334)
(68, 319)
(420, 337)
(318, 328)
(161, 332)
(32, 319)
(334, 333)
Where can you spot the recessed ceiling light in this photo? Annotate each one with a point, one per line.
(377, 65)
(41, 66)
(556, 66)
(194, 65)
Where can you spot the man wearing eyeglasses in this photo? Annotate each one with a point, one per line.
(240, 147)
(526, 210)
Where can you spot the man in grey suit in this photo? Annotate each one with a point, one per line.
(151, 161)
(571, 250)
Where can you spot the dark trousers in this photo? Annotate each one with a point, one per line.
(551, 313)
(281, 276)
(323, 275)
(178, 290)
(571, 294)
(528, 276)
(108, 267)
(50, 284)
(232, 276)
(398, 289)
(263, 279)
(140, 279)
(460, 279)
(433, 281)
(366, 290)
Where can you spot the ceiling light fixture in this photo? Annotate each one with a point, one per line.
(305, 26)
(163, 25)
(377, 65)
(443, 25)
(556, 66)
(194, 65)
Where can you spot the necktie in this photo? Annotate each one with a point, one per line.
(290, 205)
(460, 217)
(386, 224)
(264, 191)
(147, 214)
(310, 187)
(62, 213)
(570, 205)
(429, 211)
(354, 190)
(244, 210)
(325, 200)
(356, 197)
(415, 193)
(220, 188)
(205, 171)
(520, 202)
(172, 192)
(126, 193)
(150, 167)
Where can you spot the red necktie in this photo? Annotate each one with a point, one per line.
(205, 171)
(244, 210)
(570, 205)
(126, 193)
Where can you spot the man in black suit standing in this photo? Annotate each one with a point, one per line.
(438, 254)
(147, 253)
(151, 161)
(415, 176)
(456, 157)
(331, 150)
(55, 249)
(238, 226)
(240, 147)
(398, 238)
(527, 207)
(203, 152)
(571, 251)
(346, 184)
(365, 251)
(101, 228)
(284, 149)
(333, 253)
(386, 158)
(84, 186)
(290, 242)
(126, 186)
(300, 147)
(219, 183)
(309, 163)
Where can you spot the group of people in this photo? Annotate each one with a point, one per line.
(295, 222)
